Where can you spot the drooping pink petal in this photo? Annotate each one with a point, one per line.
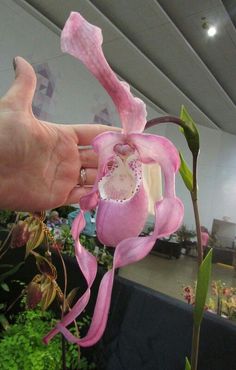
(128, 251)
(90, 200)
(88, 265)
(169, 216)
(83, 40)
(78, 225)
(100, 315)
(158, 149)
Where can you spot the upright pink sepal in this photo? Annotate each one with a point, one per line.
(83, 40)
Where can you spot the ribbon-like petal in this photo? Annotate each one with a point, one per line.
(88, 265)
(128, 251)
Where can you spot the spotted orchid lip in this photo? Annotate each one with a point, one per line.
(119, 221)
(122, 181)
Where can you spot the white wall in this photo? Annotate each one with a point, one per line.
(78, 97)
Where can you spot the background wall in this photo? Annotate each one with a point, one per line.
(67, 93)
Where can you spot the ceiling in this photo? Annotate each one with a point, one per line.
(160, 48)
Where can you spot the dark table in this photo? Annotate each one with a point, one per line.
(169, 248)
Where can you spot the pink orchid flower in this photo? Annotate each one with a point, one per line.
(118, 191)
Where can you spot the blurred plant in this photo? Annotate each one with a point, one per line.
(222, 300)
(6, 217)
(65, 210)
(21, 345)
(184, 234)
(31, 232)
(65, 241)
(4, 287)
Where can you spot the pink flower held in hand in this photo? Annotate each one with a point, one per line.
(118, 191)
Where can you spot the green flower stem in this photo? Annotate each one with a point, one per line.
(63, 341)
(195, 346)
(196, 328)
(194, 198)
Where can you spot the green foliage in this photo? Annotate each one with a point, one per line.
(88, 242)
(186, 174)
(203, 280)
(187, 364)
(103, 256)
(64, 210)
(6, 217)
(5, 287)
(67, 240)
(184, 234)
(21, 346)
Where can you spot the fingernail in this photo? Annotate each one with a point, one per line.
(14, 63)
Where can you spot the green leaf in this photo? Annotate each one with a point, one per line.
(5, 287)
(203, 280)
(187, 364)
(186, 174)
(190, 131)
(11, 272)
(4, 322)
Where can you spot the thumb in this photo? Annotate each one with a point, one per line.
(21, 92)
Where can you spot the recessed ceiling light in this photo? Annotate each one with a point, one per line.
(211, 31)
(208, 27)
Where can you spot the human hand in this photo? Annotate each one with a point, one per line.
(40, 162)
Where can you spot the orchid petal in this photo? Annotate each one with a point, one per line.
(169, 214)
(88, 265)
(100, 316)
(83, 40)
(157, 149)
(77, 226)
(90, 200)
(104, 144)
(120, 220)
